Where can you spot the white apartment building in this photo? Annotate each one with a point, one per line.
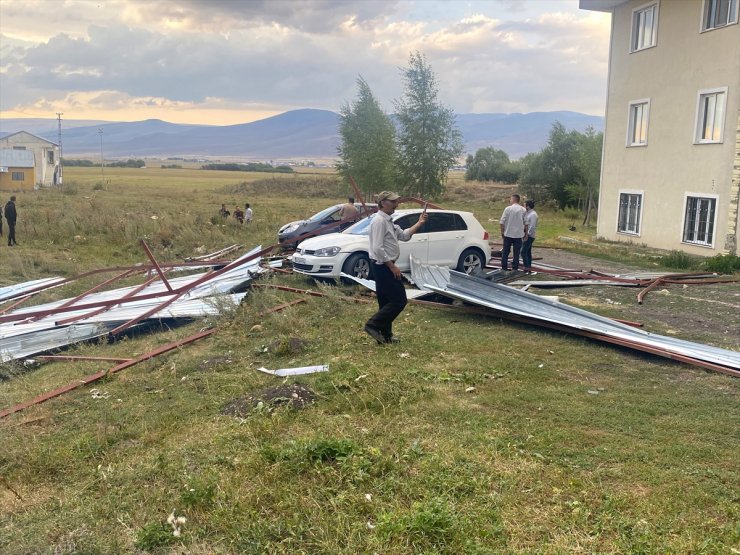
(670, 175)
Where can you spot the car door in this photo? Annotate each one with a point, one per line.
(417, 246)
(446, 238)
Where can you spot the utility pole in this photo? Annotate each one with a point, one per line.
(61, 160)
(102, 172)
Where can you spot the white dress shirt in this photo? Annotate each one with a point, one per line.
(513, 221)
(384, 236)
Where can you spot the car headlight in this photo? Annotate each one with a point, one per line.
(327, 251)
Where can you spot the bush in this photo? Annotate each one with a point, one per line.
(679, 260)
(153, 536)
(722, 264)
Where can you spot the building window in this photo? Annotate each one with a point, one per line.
(19, 148)
(50, 156)
(698, 227)
(630, 213)
(18, 176)
(718, 13)
(710, 116)
(637, 130)
(644, 27)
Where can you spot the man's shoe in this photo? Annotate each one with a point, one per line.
(374, 333)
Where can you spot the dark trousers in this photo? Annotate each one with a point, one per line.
(508, 242)
(527, 252)
(11, 234)
(391, 299)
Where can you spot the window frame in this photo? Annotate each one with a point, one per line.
(699, 124)
(707, 196)
(14, 176)
(656, 5)
(704, 13)
(630, 127)
(635, 192)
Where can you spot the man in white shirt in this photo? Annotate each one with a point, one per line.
(513, 229)
(530, 218)
(247, 214)
(384, 251)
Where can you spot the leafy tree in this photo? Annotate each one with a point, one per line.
(429, 142)
(368, 150)
(491, 164)
(566, 170)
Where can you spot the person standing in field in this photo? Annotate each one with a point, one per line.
(384, 236)
(530, 219)
(1, 222)
(513, 230)
(238, 214)
(247, 213)
(11, 216)
(224, 212)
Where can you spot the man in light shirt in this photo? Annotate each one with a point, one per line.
(513, 229)
(530, 218)
(384, 251)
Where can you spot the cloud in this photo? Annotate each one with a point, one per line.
(282, 55)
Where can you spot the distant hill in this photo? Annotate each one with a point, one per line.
(297, 134)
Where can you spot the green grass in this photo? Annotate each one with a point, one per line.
(396, 455)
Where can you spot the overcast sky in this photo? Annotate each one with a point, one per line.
(234, 61)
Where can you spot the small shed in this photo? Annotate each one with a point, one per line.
(17, 170)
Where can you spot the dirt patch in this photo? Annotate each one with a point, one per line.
(295, 396)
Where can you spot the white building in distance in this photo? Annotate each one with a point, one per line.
(45, 169)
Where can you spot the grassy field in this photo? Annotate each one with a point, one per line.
(471, 436)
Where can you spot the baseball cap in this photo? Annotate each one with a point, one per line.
(387, 195)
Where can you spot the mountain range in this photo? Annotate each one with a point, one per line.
(297, 134)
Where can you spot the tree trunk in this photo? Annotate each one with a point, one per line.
(589, 207)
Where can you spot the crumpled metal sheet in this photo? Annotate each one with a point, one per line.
(19, 289)
(19, 339)
(370, 284)
(521, 303)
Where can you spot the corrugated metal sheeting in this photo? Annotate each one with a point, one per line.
(521, 304)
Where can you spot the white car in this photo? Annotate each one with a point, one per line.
(449, 238)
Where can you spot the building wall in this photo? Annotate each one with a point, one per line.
(7, 183)
(46, 155)
(671, 74)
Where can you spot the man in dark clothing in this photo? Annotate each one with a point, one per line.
(11, 216)
(384, 252)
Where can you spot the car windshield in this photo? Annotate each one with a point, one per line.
(363, 226)
(360, 228)
(324, 214)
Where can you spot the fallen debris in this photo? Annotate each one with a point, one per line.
(283, 372)
(526, 307)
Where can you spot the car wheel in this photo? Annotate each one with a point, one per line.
(470, 261)
(357, 265)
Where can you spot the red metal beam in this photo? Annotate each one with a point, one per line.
(89, 291)
(280, 307)
(103, 309)
(358, 193)
(154, 263)
(98, 375)
(305, 292)
(74, 357)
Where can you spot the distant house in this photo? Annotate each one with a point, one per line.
(670, 175)
(44, 155)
